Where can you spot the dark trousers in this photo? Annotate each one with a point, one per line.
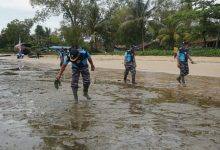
(75, 78)
(184, 70)
(130, 68)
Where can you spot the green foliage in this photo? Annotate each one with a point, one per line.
(15, 29)
(42, 36)
(121, 23)
(72, 35)
(206, 52)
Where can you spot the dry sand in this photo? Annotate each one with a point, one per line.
(205, 66)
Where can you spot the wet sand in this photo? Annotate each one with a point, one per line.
(157, 113)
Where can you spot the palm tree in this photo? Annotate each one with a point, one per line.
(140, 14)
(168, 33)
(93, 19)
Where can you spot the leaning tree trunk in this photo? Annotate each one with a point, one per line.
(142, 37)
(204, 40)
(142, 34)
(217, 41)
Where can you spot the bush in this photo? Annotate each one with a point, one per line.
(206, 52)
(6, 50)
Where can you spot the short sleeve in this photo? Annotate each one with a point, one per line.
(66, 60)
(87, 55)
(188, 51)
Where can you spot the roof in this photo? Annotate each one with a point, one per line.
(59, 47)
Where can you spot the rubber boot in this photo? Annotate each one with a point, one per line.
(133, 79)
(183, 81)
(179, 79)
(125, 79)
(85, 92)
(75, 96)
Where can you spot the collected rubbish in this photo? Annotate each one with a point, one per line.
(57, 83)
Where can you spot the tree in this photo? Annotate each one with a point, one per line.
(72, 11)
(72, 35)
(140, 13)
(204, 9)
(93, 18)
(16, 29)
(42, 36)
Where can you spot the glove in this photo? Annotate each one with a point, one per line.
(57, 83)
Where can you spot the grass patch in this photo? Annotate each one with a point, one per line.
(5, 51)
(207, 52)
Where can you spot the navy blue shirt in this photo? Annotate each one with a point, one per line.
(183, 54)
(81, 62)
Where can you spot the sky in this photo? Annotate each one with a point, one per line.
(22, 9)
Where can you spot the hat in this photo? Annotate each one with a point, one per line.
(74, 53)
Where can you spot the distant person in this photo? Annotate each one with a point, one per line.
(78, 57)
(61, 55)
(38, 55)
(20, 54)
(182, 62)
(130, 64)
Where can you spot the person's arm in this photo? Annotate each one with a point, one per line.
(62, 69)
(135, 64)
(91, 63)
(189, 57)
(178, 61)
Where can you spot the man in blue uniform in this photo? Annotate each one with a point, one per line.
(130, 64)
(182, 62)
(78, 57)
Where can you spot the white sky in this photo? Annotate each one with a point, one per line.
(21, 9)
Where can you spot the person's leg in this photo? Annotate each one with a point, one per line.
(184, 72)
(126, 72)
(183, 79)
(133, 73)
(86, 82)
(74, 83)
(179, 78)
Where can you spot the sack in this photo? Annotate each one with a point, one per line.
(57, 83)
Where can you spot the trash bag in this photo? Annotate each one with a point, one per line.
(57, 83)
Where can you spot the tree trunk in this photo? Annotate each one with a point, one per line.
(217, 42)
(204, 40)
(142, 35)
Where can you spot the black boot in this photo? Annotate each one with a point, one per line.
(133, 80)
(125, 79)
(75, 96)
(183, 81)
(85, 92)
(179, 79)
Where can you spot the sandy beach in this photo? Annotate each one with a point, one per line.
(157, 113)
(205, 66)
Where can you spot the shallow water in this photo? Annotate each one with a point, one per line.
(155, 114)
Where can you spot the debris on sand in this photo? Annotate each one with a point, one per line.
(9, 73)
